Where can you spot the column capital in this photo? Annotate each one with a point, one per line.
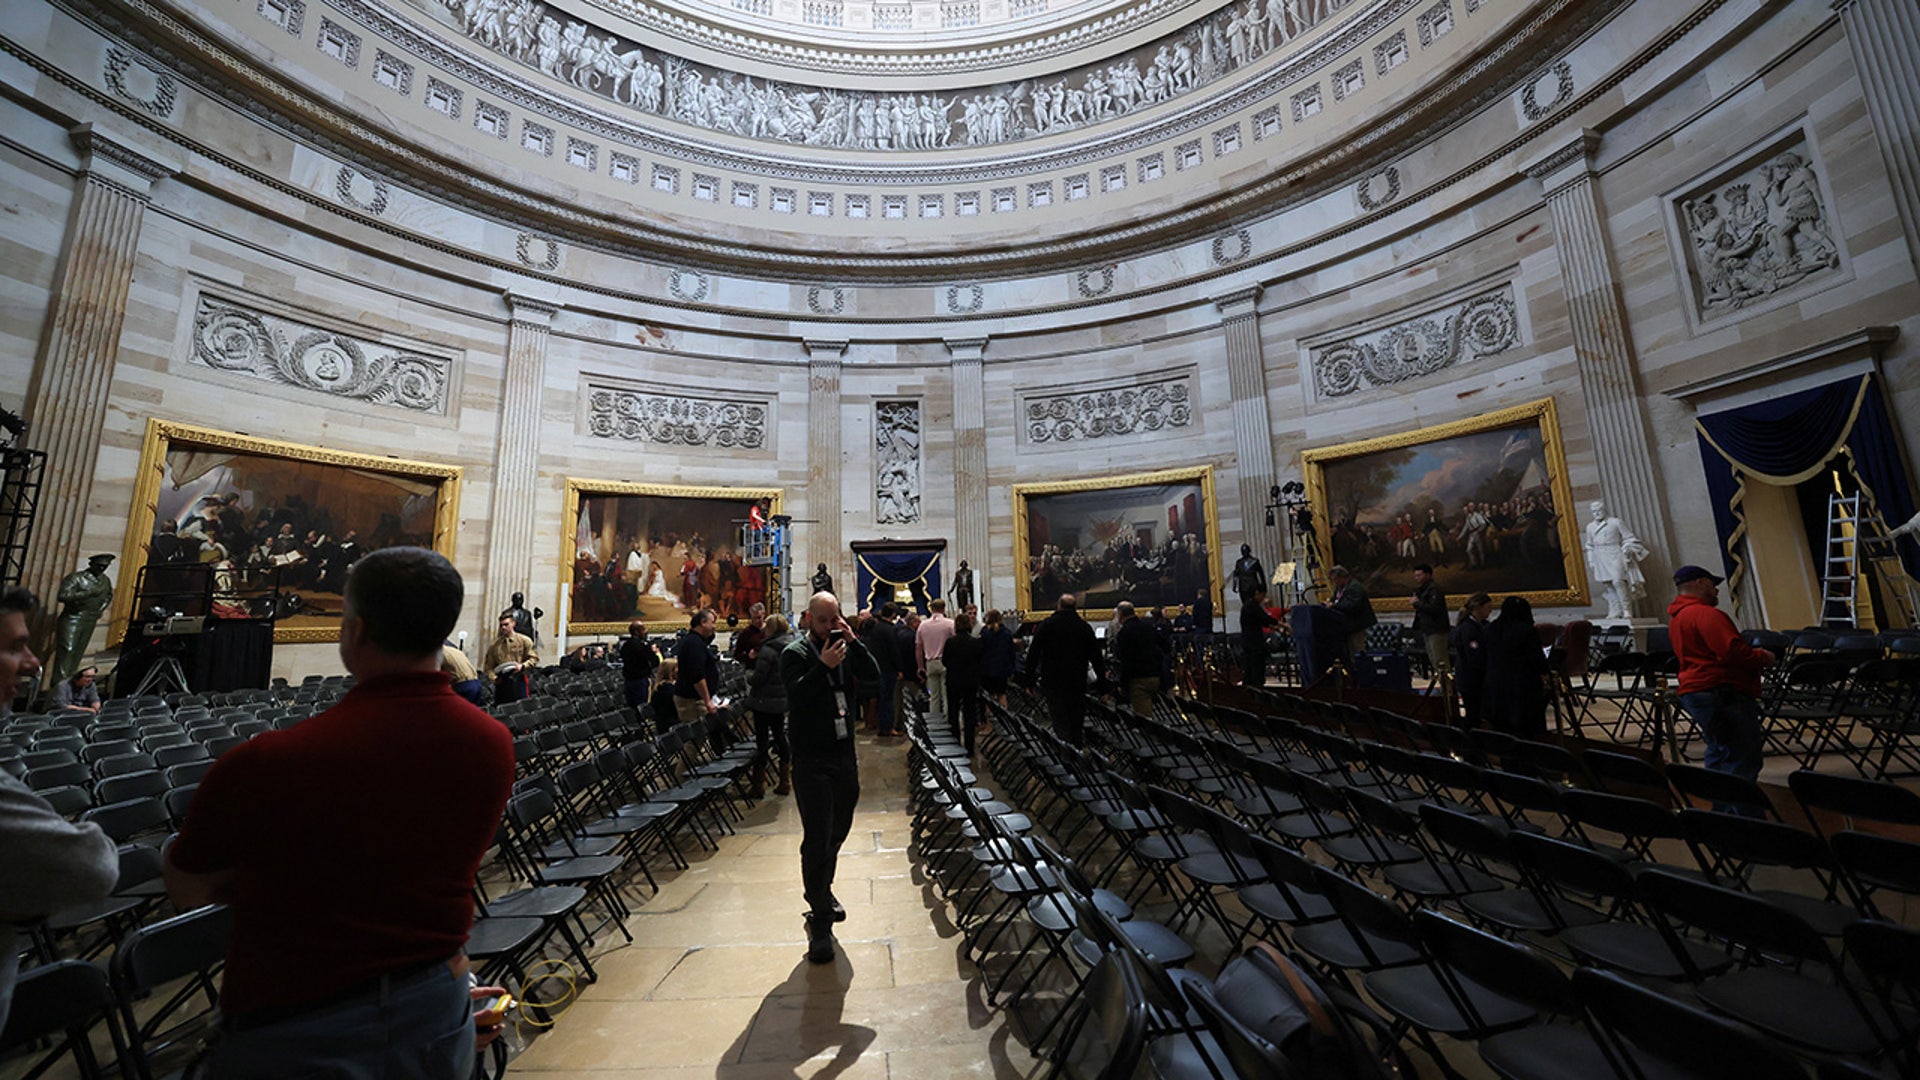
(107, 155)
(1570, 161)
(1241, 301)
(825, 348)
(532, 310)
(972, 348)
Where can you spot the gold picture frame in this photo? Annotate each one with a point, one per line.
(164, 437)
(1497, 459)
(579, 491)
(1041, 498)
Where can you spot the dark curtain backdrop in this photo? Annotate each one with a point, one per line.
(1789, 439)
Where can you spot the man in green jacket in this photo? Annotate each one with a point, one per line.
(824, 669)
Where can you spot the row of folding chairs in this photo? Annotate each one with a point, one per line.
(1483, 868)
(57, 1006)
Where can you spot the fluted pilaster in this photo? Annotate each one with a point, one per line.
(1252, 423)
(970, 466)
(825, 461)
(1604, 352)
(1885, 38)
(516, 461)
(66, 406)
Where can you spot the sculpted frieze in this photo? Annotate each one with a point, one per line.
(1155, 402)
(641, 415)
(604, 64)
(274, 348)
(1484, 324)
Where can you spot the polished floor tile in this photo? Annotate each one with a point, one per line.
(716, 983)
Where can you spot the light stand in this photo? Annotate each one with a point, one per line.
(1288, 502)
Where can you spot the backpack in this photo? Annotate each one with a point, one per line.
(1320, 1033)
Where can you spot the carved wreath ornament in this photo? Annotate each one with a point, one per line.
(1482, 326)
(1105, 413)
(673, 420)
(230, 339)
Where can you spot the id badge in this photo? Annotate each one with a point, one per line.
(840, 725)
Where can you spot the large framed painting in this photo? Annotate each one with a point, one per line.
(1151, 538)
(1485, 500)
(658, 552)
(260, 510)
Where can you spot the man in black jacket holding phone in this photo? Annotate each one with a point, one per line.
(824, 670)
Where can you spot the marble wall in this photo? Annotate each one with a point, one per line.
(249, 229)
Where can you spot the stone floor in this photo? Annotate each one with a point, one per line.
(715, 983)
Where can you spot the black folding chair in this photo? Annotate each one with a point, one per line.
(61, 1001)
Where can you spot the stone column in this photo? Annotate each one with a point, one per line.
(516, 464)
(1609, 380)
(970, 467)
(66, 405)
(825, 457)
(1252, 434)
(1885, 38)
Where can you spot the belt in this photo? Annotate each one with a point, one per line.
(371, 988)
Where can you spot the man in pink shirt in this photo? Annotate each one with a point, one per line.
(929, 642)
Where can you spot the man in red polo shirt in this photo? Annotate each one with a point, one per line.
(347, 847)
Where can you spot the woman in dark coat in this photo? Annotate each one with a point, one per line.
(963, 655)
(1515, 695)
(767, 698)
(1468, 643)
(997, 656)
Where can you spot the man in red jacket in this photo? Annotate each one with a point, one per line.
(1719, 674)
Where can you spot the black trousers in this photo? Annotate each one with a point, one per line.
(964, 703)
(1068, 708)
(769, 734)
(509, 687)
(826, 788)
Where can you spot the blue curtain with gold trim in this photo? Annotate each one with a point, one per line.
(881, 575)
(1791, 439)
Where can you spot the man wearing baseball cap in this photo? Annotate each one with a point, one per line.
(1719, 674)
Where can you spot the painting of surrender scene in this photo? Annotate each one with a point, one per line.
(660, 553)
(1485, 501)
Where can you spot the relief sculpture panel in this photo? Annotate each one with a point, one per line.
(1761, 231)
(896, 457)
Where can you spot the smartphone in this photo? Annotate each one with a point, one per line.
(836, 634)
(498, 1004)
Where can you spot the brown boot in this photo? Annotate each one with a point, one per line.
(757, 784)
(785, 787)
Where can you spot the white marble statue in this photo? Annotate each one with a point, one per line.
(1613, 557)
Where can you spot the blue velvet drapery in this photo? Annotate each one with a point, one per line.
(1790, 439)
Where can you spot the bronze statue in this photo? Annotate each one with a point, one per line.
(524, 621)
(962, 587)
(84, 596)
(1248, 574)
(822, 581)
